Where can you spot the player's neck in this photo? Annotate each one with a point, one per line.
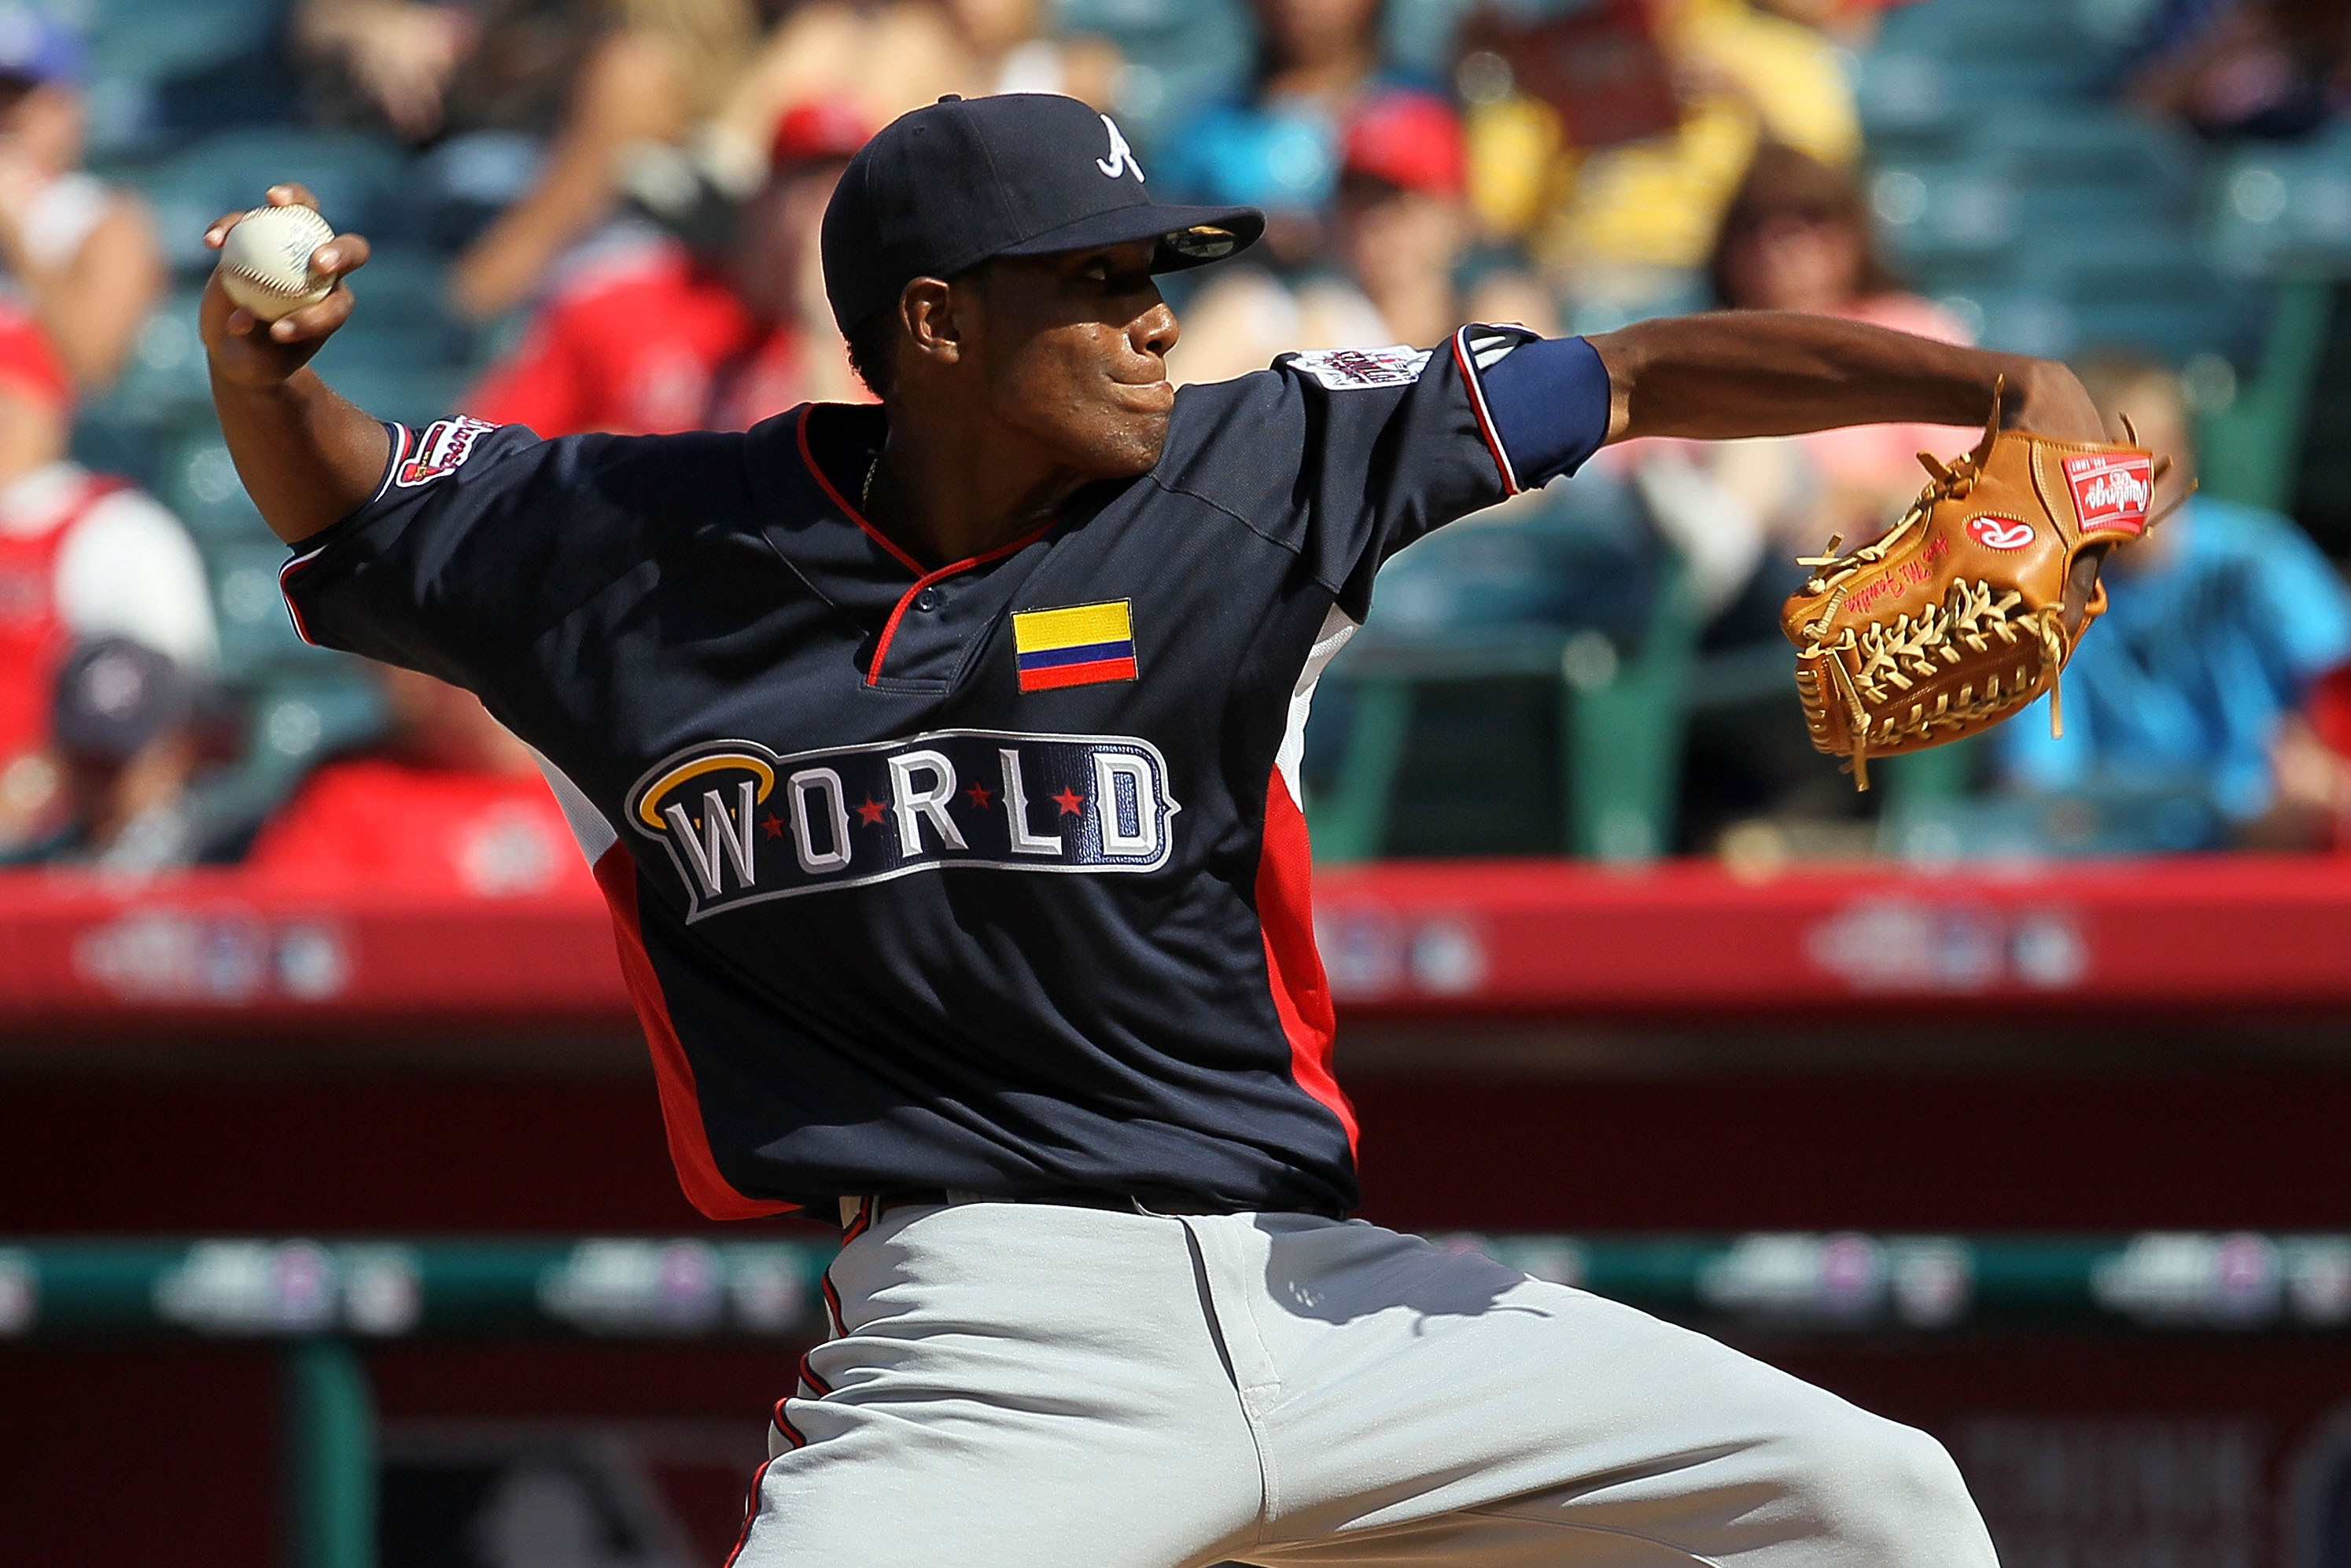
(948, 494)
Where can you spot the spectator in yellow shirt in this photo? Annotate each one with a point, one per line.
(1633, 222)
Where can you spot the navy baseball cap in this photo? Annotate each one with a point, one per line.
(948, 186)
(113, 696)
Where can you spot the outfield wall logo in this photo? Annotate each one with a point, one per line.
(744, 825)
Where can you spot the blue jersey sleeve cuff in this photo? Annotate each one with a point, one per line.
(1548, 401)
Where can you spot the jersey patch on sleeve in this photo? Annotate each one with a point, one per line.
(444, 446)
(1344, 369)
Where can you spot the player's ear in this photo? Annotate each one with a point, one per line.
(927, 308)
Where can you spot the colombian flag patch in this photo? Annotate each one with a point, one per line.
(1077, 646)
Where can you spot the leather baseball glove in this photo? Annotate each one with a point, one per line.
(1956, 617)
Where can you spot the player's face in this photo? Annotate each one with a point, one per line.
(1073, 353)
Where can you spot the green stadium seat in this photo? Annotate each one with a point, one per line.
(197, 480)
(165, 380)
(299, 721)
(403, 323)
(152, 40)
(140, 49)
(1180, 54)
(1907, 95)
(410, 394)
(2021, 321)
(1498, 704)
(356, 176)
(257, 635)
(2001, 31)
(2285, 205)
(2249, 449)
(2064, 141)
(1933, 215)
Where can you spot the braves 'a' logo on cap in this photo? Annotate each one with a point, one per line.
(1122, 156)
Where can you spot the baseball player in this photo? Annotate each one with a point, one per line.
(939, 762)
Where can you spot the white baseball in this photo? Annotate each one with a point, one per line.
(265, 262)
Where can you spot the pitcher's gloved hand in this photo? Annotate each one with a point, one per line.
(1967, 608)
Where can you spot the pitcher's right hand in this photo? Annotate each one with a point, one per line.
(249, 352)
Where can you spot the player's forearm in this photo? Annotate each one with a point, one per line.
(1766, 372)
(307, 456)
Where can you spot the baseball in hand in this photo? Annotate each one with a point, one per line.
(265, 262)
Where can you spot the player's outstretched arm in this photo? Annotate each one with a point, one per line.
(308, 456)
(1739, 373)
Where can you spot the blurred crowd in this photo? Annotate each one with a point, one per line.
(601, 214)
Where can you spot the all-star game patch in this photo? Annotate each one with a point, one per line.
(1345, 369)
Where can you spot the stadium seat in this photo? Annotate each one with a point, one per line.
(152, 39)
(2065, 141)
(1933, 213)
(1180, 54)
(1421, 36)
(2116, 24)
(410, 394)
(1497, 704)
(2001, 31)
(2144, 286)
(2021, 321)
(1904, 94)
(257, 636)
(2285, 205)
(299, 721)
(2249, 448)
(1996, 198)
(403, 322)
(356, 178)
(164, 379)
(197, 480)
(145, 56)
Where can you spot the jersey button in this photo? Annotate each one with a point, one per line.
(928, 599)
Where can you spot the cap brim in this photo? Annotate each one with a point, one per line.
(1188, 236)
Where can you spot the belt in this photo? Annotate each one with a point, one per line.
(935, 1197)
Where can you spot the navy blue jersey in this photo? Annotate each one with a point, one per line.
(990, 876)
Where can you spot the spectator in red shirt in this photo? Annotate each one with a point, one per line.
(646, 338)
(82, 556)
(454, 804)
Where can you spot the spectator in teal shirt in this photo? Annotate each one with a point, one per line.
(2191, 688)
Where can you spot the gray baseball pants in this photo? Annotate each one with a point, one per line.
(1027, 1386)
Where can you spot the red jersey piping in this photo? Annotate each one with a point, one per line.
(1502, 464)
(689, 1143)
(923, 579)
(890, 627)
(1302, 994)
(854, 515)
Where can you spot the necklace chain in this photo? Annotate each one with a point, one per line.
(866, 491)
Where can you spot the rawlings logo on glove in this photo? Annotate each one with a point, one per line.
(1956, 618)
